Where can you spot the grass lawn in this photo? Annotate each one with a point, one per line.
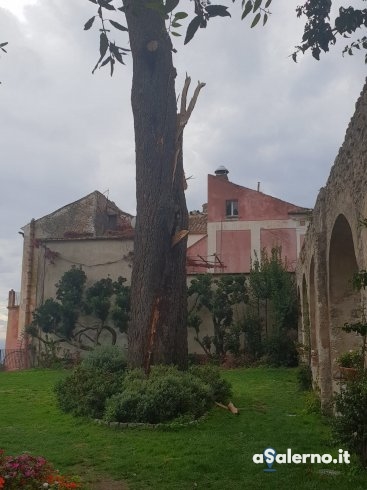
(215, 454)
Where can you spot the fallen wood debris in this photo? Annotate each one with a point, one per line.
(229, 407)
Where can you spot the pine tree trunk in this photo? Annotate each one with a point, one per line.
(158, 331)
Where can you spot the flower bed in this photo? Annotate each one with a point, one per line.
(31, 473)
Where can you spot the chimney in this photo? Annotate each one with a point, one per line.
(11, 299)
(222, 172)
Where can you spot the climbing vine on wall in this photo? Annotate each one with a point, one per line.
(80, 315)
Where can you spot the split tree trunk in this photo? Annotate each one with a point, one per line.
(158, 331)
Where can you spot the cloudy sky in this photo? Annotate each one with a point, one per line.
(66, 132)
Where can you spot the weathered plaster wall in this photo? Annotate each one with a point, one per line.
(234, 250)
(98, 257)
(286, 238)
(194, 252)
(334, 249)
(253, 205)
(262, 221)
(92, 232)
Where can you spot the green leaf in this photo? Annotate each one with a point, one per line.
(107, 60)
(88, 24)
(257, 5)
(218, 11)
(118, 26)
(247, 9)
(192, 28)
(268, 2)
(105, 4)
(265, 19)
(180, 15)
(112, 65)
(170, 5)
(116, 53)
(175, 33)
(256, 20)
(176, 24)
(103, 44)
(3, 44)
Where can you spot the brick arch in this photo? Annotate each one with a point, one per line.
(344, 301)
(342, 260)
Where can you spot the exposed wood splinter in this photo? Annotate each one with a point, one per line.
(177, 237)
(230, 407)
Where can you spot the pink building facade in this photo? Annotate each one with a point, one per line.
(240, 223)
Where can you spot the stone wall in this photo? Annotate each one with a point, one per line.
(335, 247)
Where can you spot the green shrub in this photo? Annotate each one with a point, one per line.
(167, 394)
(350, 423)
(351, 359)
(107, 358)
(85, 391)
(221, 390)
(304, 377)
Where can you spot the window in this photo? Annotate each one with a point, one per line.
(232, 208)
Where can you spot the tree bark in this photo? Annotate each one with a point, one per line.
(158, 330)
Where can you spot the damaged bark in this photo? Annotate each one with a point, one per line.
(158, 330)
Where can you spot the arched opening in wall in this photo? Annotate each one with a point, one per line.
(313, 327)
(344, 301)
(306, 322)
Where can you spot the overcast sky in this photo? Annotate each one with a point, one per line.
(65, 132)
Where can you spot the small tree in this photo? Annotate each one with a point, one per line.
(271, 317)
(80, 316)
(218, 296)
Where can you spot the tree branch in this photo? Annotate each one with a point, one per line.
(182, 119)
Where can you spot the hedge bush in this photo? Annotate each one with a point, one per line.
(100, 388)
(165, 395)
(85, 391)
(107, 358)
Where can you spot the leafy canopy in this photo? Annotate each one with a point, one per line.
(320, 32)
